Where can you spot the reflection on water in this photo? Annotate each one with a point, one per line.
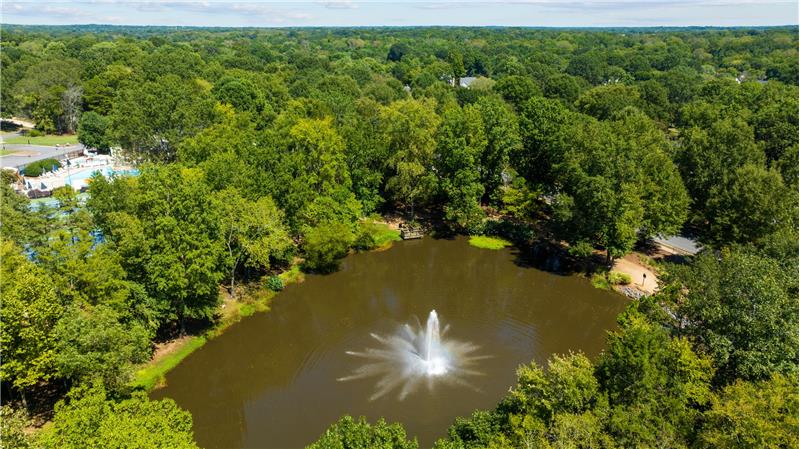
(271, 381)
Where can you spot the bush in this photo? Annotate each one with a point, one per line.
(35, 133)
(373, 235)
(8, 176)
(36, 168)
(600, 280)
(274, 283)
(325, 244)
(617, 278)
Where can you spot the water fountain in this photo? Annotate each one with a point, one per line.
(414, 355)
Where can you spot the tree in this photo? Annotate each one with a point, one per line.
(93, 131)
(751, 204)
(178, 255)
(40, 92)
(242, 94)
(17, 222)
(652, 382)
(461, 142)
(30, 310)
(568, 385)
(325, 244)
(12, 427)
(397, 51)
(348, 433)
(502, 139)
(252, 231)
(71, 101)
(752, 415)
(88, 418)
(409, 129)
(150, 119)
(603, 102)
(543, 127)
(739, 308)
(517, 89)
(708, 158)
(616, 183)
(95, 345)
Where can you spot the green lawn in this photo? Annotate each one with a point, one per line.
(153, 374)
(486, 242)
(49, 140)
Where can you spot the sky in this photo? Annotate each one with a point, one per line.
(549, 13)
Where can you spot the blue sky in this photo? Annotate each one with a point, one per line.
(554, 13)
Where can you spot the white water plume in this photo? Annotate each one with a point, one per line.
(412, 356)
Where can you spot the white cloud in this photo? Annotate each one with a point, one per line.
(340, 4)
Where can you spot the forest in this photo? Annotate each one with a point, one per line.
(262, 149)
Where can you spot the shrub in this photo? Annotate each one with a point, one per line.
(274, 283)
(599, 280)
(8, 176)
(35, 133)
(373, 235)
(325, 244)
(617, 278)
(36, 168)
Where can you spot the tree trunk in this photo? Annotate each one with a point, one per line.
(24, 400)
(233, 274)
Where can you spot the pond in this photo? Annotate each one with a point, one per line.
(279, 379)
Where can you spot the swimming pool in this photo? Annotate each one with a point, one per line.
(78, 178)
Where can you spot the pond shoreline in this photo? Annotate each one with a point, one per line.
(256, 298)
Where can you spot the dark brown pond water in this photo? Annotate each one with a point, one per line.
(270, 381)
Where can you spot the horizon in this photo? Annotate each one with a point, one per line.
(370, 13)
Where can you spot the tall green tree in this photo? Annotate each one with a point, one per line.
(502, 139)
(168, 234)
(151, 118)
(409, 127)
(94, 345)
(30, 310)
(461, 142)
(253, 232)
(739, 308)
(751, 204)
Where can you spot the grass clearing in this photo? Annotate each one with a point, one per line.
(487, 242)
(383, 235)
(49, 140)
(152, 374)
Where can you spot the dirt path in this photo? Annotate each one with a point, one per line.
(631, 265)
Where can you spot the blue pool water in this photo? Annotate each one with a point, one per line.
(78, 179)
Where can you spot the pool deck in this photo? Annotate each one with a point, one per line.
(75, 176)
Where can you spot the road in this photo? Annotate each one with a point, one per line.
(24, 154)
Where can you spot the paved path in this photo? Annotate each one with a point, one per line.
(631, 265)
